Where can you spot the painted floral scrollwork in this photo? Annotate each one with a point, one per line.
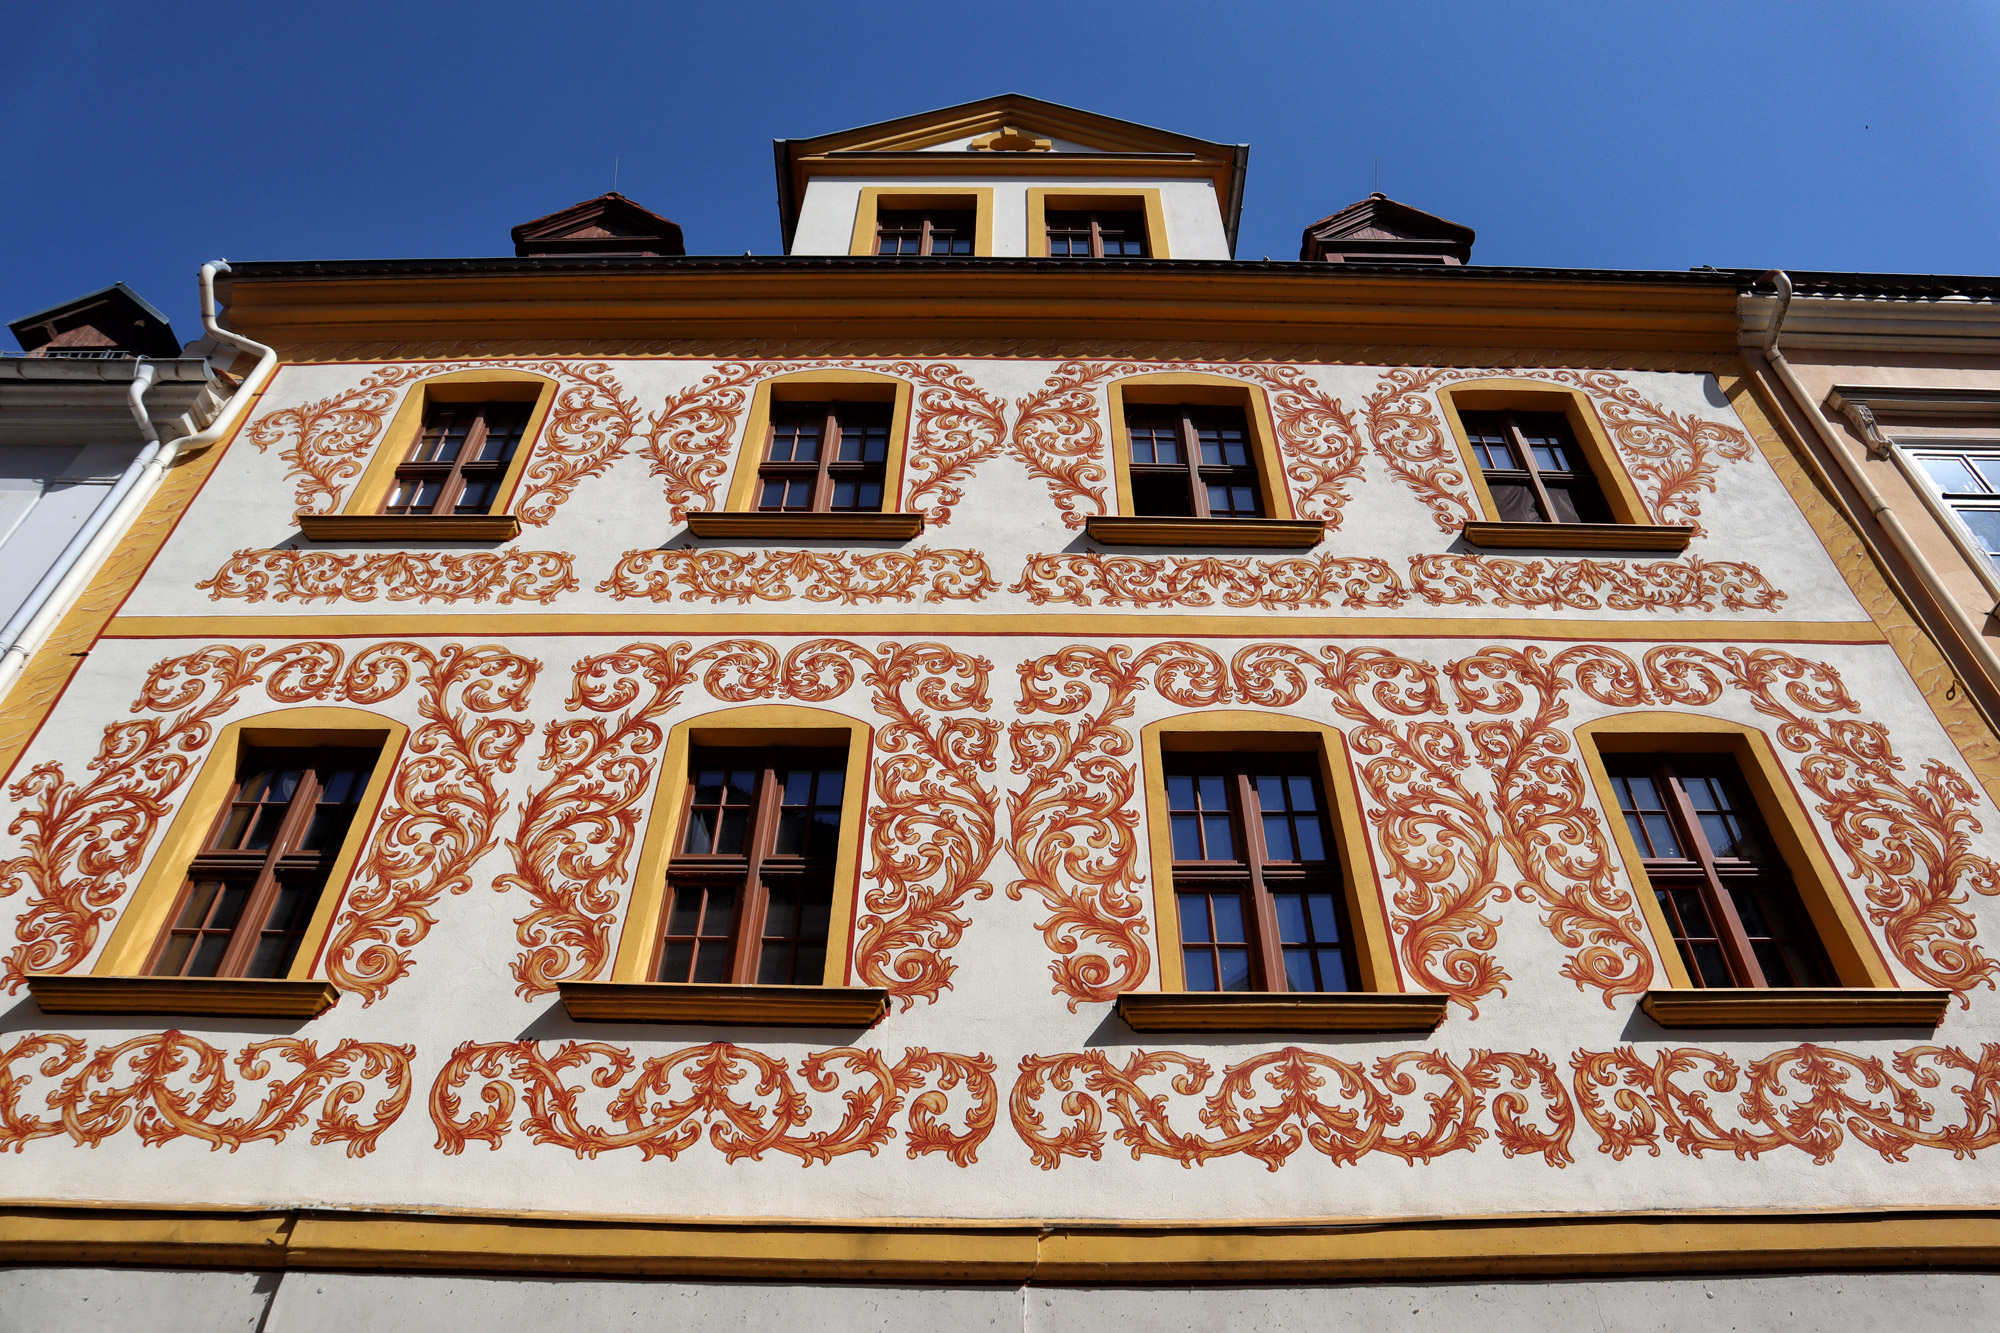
(1413, 443)
(847, 577)
(955, 427)
(327, 442)
(1693, 584)
(1808, 1097)
(748, 1103)
(1271, 1105)
(398, 576)
(1674, 455)
(444, 805)
(171, 1085)
(1289, 584)
(83, 838)
(687, 440)
(1058, 439)
(1317, 440)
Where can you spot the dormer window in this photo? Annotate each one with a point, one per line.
(1097, 234)
(912, 232)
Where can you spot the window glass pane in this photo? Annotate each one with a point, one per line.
(1200, 970)
(1985, 525)
(1291, 909)
(1221, 839)
(208, 956)
(1228, 918)
(1161, 496)
(1515, 502)
(1709, 964)
(711, 962)
(685, 919)
(1194, 918)
(1988, 467)
(175, 957)
(1278, 838)
(194, 913)
(781, 915)
(1951, 473)
(1325, 923)
(1235, 967)
(1299, 970)
(1187, 837)
(729, 839)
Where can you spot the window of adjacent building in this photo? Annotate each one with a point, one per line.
(1097, 234)
(1534, 470)
(1735, 913)
(750, 889)
(1255, 875)
(252, 888)
(825, 458)
(1969, 479)
(924, 232)
(1191, 462)
(459, 459)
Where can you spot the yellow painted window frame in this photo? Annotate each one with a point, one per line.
(755, 726)
(1041, 199)
(1856, 956)
(460, 386)
(820, 386)
(1237, 731)
(1521, 395)
(875, 198)
(1171, 388)
(159, 889)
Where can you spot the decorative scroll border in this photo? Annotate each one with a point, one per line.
(1289, 584)
(170, 1086)
(397, 576)
(849, 578)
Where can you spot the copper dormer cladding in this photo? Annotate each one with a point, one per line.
(1378, 230)
(609, 225)
(116, 319)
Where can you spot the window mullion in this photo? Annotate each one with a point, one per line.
(1527, 457)
(1191, 454)
(1270, 950)
(750, 913)
(1721, 904)
(257, 906)
(829, 445)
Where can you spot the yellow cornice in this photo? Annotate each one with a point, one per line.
(1078, 624)
(862, 304)
(935, 1250)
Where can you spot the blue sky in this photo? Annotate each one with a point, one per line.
(144, 139)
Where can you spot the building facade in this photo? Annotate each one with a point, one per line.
(1004, 766)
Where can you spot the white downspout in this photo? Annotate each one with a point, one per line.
(1857, 477)
(79, 560)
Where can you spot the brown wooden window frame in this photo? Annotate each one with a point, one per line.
(269, 869)
(826, 471)
(452, 476)
(1196, 474)
(1580, 481)
(1095, 226)
(1253, 877)
(965, 229)
(749, 874)
(1714, 880)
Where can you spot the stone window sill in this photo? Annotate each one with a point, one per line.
(800, 527)
(1238, 1011)
(247, 997)
(1279, 533)
(1580, 536)
(1796, 1007)
(701, 1002)
(409, 527)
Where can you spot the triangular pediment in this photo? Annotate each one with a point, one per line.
(1010, 123)
(610, 224)
(1380, 229)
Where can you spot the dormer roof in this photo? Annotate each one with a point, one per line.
(610, 224)
(116, 319)
(1378, 230)
(1009, 135)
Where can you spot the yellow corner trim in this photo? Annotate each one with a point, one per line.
(1042, 199)
(1857, 959)
(1174, 388)
(820, 386)
(1241, 729)
(753, 725)
(130, 947)
(875, 198)
(379, 476)
(935, 1250)
(1541, 396)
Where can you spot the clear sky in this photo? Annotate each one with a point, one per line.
(142, 139)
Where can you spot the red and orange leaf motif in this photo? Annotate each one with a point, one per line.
(1412, 442)
(443, 809)
(1540, 796)
(1271, 1105)
(748, 1101)
(1693, 584)
(688, 440)
(83, 838)
(1674, 456)
(1290, 584)
(1316, 439)
(1058, 439)
(848, 577)
(590, 424)
(398, 576)
(1074, 821)
(171, 1086)
(955, 427)
(1805, 1097)
(327, 442)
